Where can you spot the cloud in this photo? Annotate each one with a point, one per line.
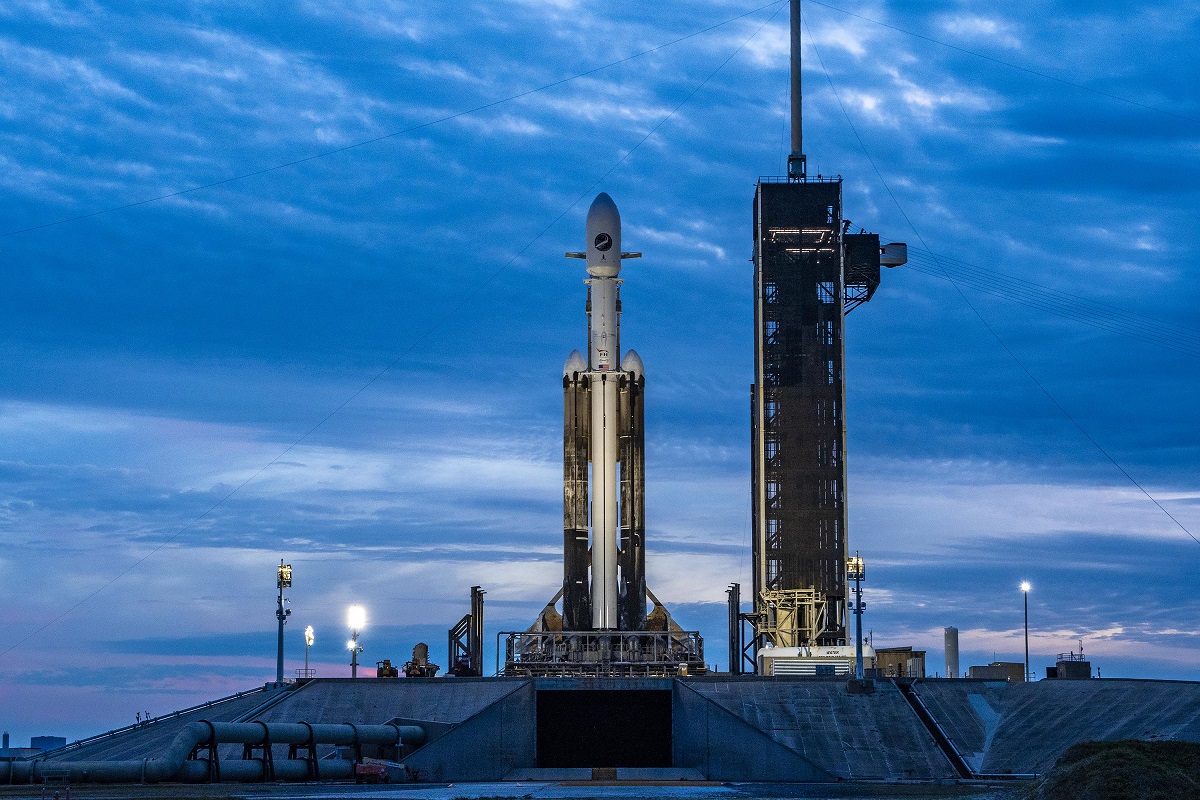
(985, 29)
(390, 19)
(680, 240)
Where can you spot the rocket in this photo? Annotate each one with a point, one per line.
(604, 557)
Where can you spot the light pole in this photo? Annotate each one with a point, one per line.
(857, 572)
(284, 581)
(357, 619)
(308, 640)
(1025, 587)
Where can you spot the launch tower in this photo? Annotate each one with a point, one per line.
(809, 272)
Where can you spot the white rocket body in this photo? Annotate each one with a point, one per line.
(604, 351)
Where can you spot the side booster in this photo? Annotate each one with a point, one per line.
(603, 426)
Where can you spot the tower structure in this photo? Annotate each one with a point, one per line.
(809, 272)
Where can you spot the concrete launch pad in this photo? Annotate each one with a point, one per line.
(710, 728)
(534, 790)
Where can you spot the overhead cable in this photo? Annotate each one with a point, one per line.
(1164, 334)
(393, 135)
(1008, 64)
(938, 262)
(416, 342)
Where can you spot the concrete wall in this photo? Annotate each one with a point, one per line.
(488, 746)
(376, 701)
(859, 736)
(720, 745)
(1024, 727)
(733, 728)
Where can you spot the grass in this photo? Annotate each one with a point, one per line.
(1124, 770)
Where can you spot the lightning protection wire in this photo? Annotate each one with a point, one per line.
(1007, 64)
(429, 124)
(1163, 334)
(887, 187)
(417, 341)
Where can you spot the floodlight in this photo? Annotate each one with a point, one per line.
(855, 569)
(1025, 587)
(356, 618)
(285, 576)
(308, 636)
(350, 644)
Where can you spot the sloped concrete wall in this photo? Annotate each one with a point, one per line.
(153, 739)
(875, 736)
(969, 712)
(488, 746)
(735, 728)
(375, 701)
(721, 746)
(1023, 728)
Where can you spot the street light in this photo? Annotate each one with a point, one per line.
(308, 641)
(356, 618)
(283, 580)
(856, 571)
(1025, 587)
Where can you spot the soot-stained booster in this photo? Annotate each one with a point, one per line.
(604, 629)
(604, 586)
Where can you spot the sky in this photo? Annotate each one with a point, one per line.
(343, 351)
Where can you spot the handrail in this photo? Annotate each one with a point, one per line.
(78, 743)
(940, 737)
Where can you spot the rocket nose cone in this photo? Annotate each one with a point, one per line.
(603, 238)
(575, 363)
(603, 204)
(632, 362)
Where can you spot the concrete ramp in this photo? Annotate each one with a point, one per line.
(1023, 728)
(852, 737)
(151, 739)
(969, 713)
(721, 745)
(729, 728)
(1041, 720)
(377, 701)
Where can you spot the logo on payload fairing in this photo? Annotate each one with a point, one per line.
(603, 241)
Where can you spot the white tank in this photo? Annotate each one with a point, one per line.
(951, 652)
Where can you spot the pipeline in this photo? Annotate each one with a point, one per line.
(179, 764)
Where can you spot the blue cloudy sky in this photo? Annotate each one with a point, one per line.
(352, 362)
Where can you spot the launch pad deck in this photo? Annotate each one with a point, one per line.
(715, 728)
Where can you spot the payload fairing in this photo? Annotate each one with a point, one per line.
(604, 565)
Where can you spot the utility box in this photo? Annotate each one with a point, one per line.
(1011, 671)
(900, 662)
(1072, 667)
